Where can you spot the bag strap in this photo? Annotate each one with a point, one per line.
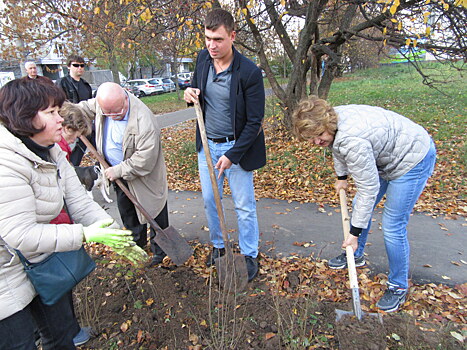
(23, 260)
(21, 257)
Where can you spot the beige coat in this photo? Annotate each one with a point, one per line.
(31, 195)
(143, 165)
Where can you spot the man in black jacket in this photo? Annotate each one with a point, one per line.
(229, 88)
(76, 90)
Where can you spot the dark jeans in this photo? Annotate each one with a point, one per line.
(130, 220)
(56, 325)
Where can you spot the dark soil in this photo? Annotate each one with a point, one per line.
(171, 307)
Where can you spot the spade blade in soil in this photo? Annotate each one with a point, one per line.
(368, 333)
(232, 271)
(173, 245)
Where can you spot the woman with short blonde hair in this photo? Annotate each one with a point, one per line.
(386, 154)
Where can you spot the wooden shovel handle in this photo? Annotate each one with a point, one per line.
(122, 186)
(348, 250)
(212, 174)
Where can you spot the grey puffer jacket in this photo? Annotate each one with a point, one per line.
(372, 142)
(31, 195)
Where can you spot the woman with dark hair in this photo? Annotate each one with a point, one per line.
(37, 181)
(386, 154)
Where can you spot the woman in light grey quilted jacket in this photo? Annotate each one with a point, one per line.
(386, 154)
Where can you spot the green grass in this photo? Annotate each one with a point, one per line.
(165, 103)
(399, 88)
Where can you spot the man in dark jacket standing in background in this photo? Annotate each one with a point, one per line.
(76, 90)
(230, 90)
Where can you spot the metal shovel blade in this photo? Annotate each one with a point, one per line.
(357, 308)
(173, 245)
(232, 271)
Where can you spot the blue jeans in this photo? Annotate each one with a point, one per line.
(56, 325)
(401, 196)
(243, 195)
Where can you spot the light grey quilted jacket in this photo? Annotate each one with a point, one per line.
(31, 195)
(371, 142)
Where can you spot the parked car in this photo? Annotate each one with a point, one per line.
(168, 84)
(147, 86)
(184, 75)
(132, 89)
(183, 83)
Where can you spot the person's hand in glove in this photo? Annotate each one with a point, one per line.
(101, 232)
(135, 254)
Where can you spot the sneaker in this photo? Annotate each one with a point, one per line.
(216, 253)
(251, 266)
(83, 336)
(392, 299)
(340, 262)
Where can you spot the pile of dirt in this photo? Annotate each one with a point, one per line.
(171, 307)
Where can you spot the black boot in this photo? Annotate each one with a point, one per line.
(251, 266)
(158, 254)
(216, 253)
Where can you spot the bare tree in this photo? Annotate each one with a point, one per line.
(328, 27)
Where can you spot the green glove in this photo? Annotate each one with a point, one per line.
(135, 254)
(101, 233)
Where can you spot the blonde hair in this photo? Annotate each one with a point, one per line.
(75, 119)
(312, 117)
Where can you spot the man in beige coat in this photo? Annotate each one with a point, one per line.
(128, 136)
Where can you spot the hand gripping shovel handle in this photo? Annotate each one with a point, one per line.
(168, 239)
(350, 257)
(122, 186)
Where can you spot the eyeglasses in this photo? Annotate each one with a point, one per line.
(110, 115)
(78, 65)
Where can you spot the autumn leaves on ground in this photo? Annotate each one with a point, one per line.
(291, 303)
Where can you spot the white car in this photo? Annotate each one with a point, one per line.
(165, 85)
(169, 85)
(185, 75)
(147, 87)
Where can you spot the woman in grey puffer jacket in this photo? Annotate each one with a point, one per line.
(386, 154)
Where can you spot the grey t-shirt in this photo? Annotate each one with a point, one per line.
(217, 98)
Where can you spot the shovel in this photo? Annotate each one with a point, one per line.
(231, 268)
(357, 309)
(168, 239)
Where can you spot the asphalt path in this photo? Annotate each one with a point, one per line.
(438, 244)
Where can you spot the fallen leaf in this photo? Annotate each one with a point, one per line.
(124, 326)
(194, 338)
(458, 336)
(269, 335)
(139, 337)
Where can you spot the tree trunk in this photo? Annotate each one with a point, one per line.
(114, 68)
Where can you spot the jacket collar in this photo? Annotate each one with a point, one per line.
(11, 142)
(132, 126)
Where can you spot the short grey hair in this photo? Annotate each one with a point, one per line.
(27, 64)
